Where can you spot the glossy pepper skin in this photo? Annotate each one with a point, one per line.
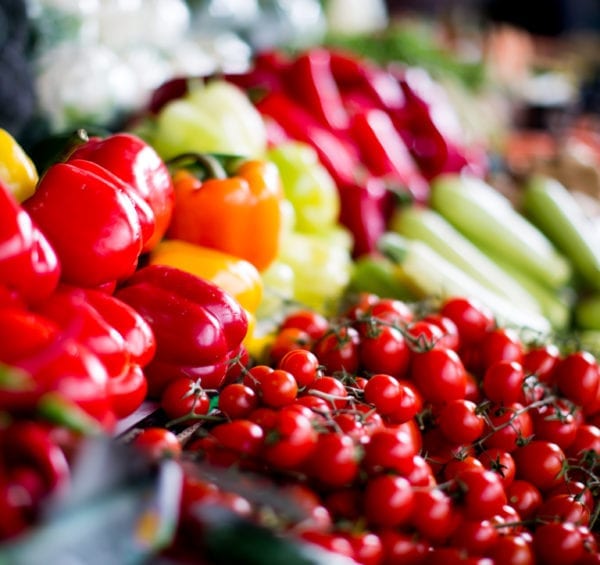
(115, 333)
(197, 324)
(29, 265)
(90, 220)
(238, 277)
(239, 214)
(39, 359)
(136, 163)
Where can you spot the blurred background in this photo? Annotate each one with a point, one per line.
(67, 63)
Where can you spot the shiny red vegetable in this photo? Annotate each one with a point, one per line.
(136, 163)
(197, 324)
(29, 266)
(91, 221)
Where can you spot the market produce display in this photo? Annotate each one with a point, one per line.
(292, 314)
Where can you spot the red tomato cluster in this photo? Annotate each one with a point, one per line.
(410, 437)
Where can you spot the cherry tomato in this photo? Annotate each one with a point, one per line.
(501, 344)
(315, 325)
(236, 400)
(332, 390)
(525, 498)
(508, 426)
(503, 382)
(278, 388)
(564, 508)
(384, 392)
(338, 350)
(158, 443)
(472, 320)
(450, 336)
(289, 439)
(334, 461)
(577, 377)
(434, 515)
(183, 397)
(389, 450)
(501, 462)
(388, 501)
(288, 339)
(439, 375)
(460, 421)
(541, 361)
(512, 550)
(557, 543)
(302, 364)
(541, 463)
(481, 492)
(241, 436)
(384, 350)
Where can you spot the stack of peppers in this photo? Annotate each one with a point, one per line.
(382, 133)
(86, 331)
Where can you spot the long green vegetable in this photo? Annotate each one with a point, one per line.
(489, 220)
(555, 210)
(436, 277)
(433, 229)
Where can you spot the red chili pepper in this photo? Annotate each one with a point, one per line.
(28, 264)
(196, 323)
(339, 157)
(137, 163)
(91, 222)
(365, 210)
(385, 153)
(310, 81)
(376, 84)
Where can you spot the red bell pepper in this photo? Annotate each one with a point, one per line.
(90, 220)
(47, 360)
(136, 163)
(29, 266)
(32, 467)
(115, 333)
(196, 323)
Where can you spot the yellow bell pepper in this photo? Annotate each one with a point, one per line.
(237, 276)
(17, 170)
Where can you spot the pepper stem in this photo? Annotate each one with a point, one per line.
(206, 165)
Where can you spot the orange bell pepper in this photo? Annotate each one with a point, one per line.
(237, 276)
(238, 214)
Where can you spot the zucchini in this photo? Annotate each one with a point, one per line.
(435, 277)
(489, 220)
(556, 211)
(425, 224)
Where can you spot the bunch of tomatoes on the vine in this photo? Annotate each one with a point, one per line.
(407, 434)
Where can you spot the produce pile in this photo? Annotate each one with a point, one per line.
(291, 312)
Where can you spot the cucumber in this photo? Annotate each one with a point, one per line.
(425, 224)
(489, 220)
(554, 209)
(435, 277)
